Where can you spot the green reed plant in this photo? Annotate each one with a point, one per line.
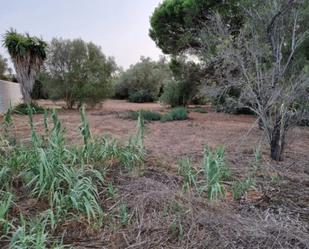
(6, 200)
(85, 129)
(177, 113)
(32, 234)
(215, 171)
(240, 188)
(146, 114)
(188, 173)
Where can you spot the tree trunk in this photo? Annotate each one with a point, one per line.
(26, 94)
(26, 77)
(277, 144)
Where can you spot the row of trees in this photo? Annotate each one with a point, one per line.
(78, 72)
(72, 70)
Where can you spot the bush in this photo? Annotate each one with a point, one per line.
(178, 113)
(146, 115)
(200, 110)
(23, 109)
(171, 94)
(141, 96)
(143, 81)
(38, 91)
(78, 72)
(182, 90)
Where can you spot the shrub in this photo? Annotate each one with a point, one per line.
(185, 86)
(200, 110)
(178, 113)
(23, 109)
(143, 81)
(239, 188)
(141, 96)
(146, 114)
(171, 94)
(215, 172)
(78, 72)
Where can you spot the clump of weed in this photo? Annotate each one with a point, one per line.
(66, 178)
(188, 173)
(178, 113)
(215, 171)
(146, 114)
(240, 188)
(200, 110)
(23, 109)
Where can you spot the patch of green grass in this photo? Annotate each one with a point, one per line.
(200, 110)
(215, 171)
(188, 173)
(146, 114)
(178, 113)
(23, 109)
(240, 188)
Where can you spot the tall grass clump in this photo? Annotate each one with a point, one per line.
(178, 113)
(6, 200)
(188, 173)
(33, 234)
(215, 171)
(66, 178)
(146, 114)
(239, 188)
(23, 109)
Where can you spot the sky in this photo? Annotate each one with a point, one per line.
(120, 27)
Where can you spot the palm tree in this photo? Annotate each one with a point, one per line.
(28, 55)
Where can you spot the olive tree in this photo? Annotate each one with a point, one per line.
(78, 72)
(263, 60)
(28, 55)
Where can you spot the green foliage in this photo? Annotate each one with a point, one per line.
(21, 46)
(215, 171)
(23, 109)
(39, 90)
(172, 94)
(143, 81)
(6, 201)
(3, 68)
(174, 22)
(146, 114)
(111, 190)
(188, 173)
(66, 178)
(239, 188)
(200, 110)
(78, 72)
(28, 55)
(178, 113)
(141, 96)
(185, 84)
(123, 214)
(33, 234)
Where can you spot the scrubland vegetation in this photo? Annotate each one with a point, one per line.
(186, 176)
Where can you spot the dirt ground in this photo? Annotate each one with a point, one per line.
(286, 202)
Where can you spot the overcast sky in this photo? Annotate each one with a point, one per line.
(120, 27)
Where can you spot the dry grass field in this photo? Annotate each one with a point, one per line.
(272, 214)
